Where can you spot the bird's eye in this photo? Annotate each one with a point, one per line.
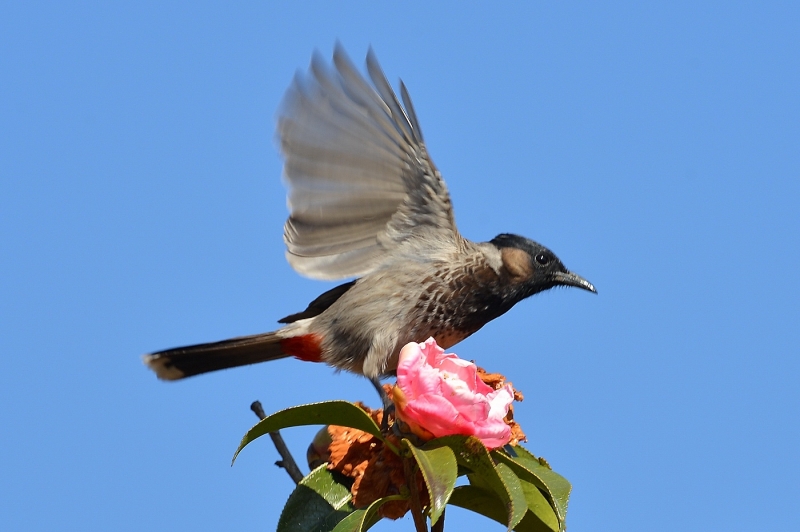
(542, 259)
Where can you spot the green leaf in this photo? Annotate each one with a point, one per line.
(317, 504)
(479, 500)
(539, 507)
(473, 455)
(352, 523)
(361, 520)
(519, 505)
(555, 487)
(487, 503)
(440, 471)
(328, 413)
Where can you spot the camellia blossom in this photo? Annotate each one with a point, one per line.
(442, 394)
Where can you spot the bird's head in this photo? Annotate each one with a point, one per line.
(533, 268)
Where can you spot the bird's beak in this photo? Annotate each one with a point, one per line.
(573, 279)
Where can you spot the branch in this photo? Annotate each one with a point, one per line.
(287, 461)
(410, 466)
(439, 526)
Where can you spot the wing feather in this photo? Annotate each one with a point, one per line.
(359, 177)
(412, 115)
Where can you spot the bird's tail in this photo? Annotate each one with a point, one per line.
(181, 362)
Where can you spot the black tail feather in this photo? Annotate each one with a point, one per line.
(181, 362)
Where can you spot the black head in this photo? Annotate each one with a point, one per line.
(533, 267)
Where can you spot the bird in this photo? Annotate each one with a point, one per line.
(368, 204)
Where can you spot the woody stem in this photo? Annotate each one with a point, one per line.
(439, 526)
(410, 469)
(288, 462)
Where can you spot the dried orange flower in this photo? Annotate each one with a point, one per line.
(376, 471)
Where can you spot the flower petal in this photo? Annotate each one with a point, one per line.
(444, 395)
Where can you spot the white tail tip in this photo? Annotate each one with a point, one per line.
(158, 364)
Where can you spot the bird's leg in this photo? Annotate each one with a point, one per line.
(388, 404)
(376, 382)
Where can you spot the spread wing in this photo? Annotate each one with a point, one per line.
(359, 177)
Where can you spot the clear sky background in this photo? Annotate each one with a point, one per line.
(653, 146)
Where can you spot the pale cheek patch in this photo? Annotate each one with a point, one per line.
(517, 262)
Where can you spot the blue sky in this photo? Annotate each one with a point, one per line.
(652, 146)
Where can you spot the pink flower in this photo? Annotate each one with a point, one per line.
(442, 394)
